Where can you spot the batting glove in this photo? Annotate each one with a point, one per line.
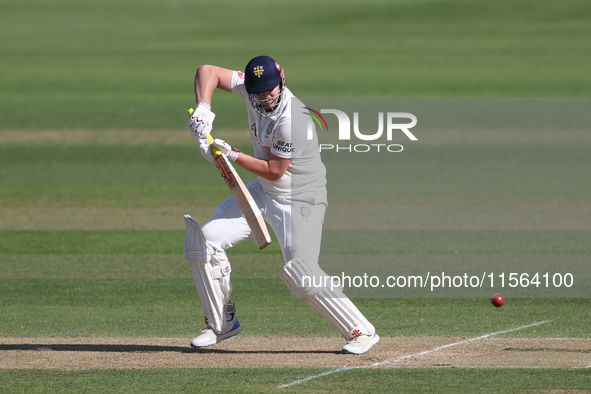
(201, 121)
(205, 149)
(231, 153)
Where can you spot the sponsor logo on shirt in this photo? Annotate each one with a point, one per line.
(282, 146)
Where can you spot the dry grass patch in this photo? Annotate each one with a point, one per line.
(103, 218)
(178, 136)
(278, 352)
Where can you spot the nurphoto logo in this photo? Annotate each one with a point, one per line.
(395, 123)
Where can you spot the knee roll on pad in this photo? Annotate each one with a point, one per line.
(303, 278)
(195, 246)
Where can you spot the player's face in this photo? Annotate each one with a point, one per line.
(269, 98)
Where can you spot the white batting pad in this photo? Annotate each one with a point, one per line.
(212, 282)
(195, 246)
(299, 277)
(310, 283)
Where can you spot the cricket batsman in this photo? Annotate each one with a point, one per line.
(290, 191)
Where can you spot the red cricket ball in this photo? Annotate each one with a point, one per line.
(497, 300)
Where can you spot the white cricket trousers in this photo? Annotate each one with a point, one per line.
(296, 221)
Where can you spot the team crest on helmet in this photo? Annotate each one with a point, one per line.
(258, 71)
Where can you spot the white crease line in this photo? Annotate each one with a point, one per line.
(480, 367)
(545, 339)
(345, 368)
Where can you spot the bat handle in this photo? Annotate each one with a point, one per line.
(214, 150)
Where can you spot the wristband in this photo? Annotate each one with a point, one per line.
(233, 154)
(204, 105)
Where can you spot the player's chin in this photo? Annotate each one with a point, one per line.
(270, 105)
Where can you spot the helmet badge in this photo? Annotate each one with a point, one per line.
(258, 71)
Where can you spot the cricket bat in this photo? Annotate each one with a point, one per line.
(251, 212)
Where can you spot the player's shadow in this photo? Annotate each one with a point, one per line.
(107, 348)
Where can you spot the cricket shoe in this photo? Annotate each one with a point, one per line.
(208, 337)
(361, 344)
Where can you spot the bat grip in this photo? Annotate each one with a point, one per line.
(214, 150)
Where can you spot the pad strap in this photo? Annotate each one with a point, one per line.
(222, 270)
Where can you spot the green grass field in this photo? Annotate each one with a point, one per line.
(97, 169)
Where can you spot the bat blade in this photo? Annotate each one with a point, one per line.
(246, 203)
